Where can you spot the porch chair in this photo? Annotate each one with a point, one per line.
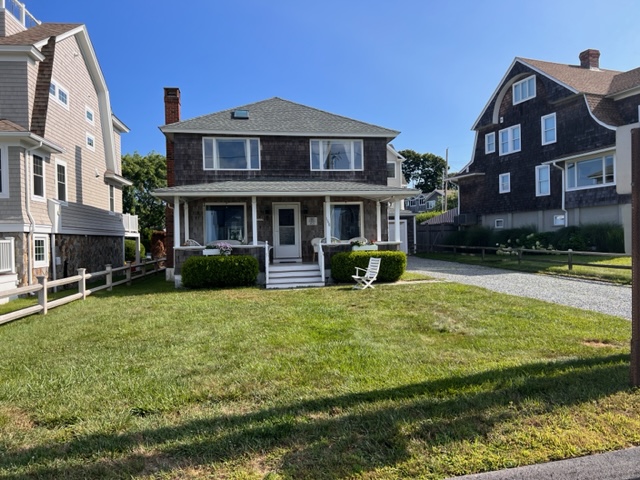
(314, 244)
(370, 274)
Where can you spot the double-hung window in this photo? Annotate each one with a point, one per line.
(61, 180)
(524, 90)
(548, 129)
(504, 183)
(543, 180)
(346, 220)
(594, 172)
(224, 222)
(510, 140)
(490, 142)
(336, 155)
(231, 153)
(38, 177)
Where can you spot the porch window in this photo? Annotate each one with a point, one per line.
(225, 222)
(595, 172)
(336, 154)
(346, 220)
(231, 153)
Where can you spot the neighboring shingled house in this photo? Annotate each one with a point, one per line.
(553, 148)
(279, 173)
(60, 176)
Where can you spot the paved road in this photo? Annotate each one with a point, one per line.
(587, 295)
(610, 299)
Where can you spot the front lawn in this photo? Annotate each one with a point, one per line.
(421, 380)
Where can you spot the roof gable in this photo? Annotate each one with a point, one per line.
(38, 34)
(277, 116)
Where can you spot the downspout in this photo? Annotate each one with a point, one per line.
(562, 207)
(32, 222)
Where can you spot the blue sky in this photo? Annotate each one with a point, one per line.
(422, 67)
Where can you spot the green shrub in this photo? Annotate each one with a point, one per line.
(130, 250)
(604, 237)
(344, 264)
(220, 271)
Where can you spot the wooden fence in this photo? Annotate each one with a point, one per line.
(130, 272)
(519, 253)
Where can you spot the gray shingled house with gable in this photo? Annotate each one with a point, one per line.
(271, 177)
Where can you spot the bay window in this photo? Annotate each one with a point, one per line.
(336, 155)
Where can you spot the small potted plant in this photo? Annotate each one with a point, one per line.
(211, 249)
(362, 245)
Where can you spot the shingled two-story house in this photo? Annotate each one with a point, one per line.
(60, 178)
(272, 176)
(553, 148)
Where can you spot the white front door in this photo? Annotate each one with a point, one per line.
(403, 234)
(286, 232)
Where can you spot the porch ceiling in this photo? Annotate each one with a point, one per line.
(298, 188)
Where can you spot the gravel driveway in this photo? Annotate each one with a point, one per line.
(587, 295)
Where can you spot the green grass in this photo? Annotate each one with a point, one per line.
(535, 263)
(421, 380)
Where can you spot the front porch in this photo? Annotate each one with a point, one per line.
(277, 221)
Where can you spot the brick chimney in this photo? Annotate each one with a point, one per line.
(171, 115)
(590, 59)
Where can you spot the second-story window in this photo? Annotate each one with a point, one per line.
(38, 177)
(391, 169)
(231, 153)
(91, 142)
(510, 140)
(490, 142)
(88, 115)
(336, 155)
(543, 180)
(61, 181)
(59, 93)
(548, 128)
(524, 90)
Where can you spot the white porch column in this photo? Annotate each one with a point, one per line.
(176, 221)
(327, 218)
(186, 222)
(396, 219)
(254, 220)
(378, 222)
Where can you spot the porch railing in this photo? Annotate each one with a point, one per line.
(20, 12)
(130, 223)
(7, 256)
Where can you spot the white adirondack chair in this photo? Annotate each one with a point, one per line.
(364, 280)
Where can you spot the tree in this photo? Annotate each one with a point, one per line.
(147, 173)
(424, 170)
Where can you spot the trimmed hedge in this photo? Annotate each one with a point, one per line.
(130, 250)
(220, 271)
(344, 264)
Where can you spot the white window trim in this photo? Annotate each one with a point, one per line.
(321, 166)
(486, 142)
(519, 84)
(216, 163)
(35, 197)
(602, 185)
(218, 204)
(539, 168)
(66, 180)
(500, 177)
(56, 96)
(91, 146)
(4, 172)
(361, 204)
(498, 223)
(555, 129)
(510, 131)
(88, 110)
(41, 263)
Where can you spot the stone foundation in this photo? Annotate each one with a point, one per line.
(90, 252)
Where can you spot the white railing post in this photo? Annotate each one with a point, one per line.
(42, 294)
(109, 276)
(82, 283)
(266, 263)
(321, 261)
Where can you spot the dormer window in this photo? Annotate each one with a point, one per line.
(524, 90)
(336, 154)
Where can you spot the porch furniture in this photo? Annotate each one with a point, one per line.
(191, 243)
(358, 239)
(314, 244)
(364, 280)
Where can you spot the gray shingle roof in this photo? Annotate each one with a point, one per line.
(277, 116)
(38, 33)
(283, 187)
